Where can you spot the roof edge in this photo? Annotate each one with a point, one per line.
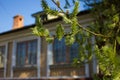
(46, 22)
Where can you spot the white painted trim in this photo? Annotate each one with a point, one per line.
(6, 53)
(49, 58)
(38, 57)
(87, 70)
(95, 70)
(14, 54)
(94, 65)
(13, 58)
(48, 70)
(87, 73)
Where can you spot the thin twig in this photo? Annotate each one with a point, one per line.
(58, 6)
(96, 34)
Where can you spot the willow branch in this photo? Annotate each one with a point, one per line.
(96, 34)
(58, 6)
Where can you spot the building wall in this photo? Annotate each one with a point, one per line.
(43, 58)
(9, 59)
(17, 72)
(67, 70)
(25, 72)
(1, 72)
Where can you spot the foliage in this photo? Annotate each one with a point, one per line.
(105, 29)
(59, 32)
(107, 22)
(39, 30)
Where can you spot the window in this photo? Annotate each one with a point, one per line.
(2, 55)
(59, 51)
(26, 53)
(63, 53)
(74, 51)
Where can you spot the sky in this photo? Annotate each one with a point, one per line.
(10, 8)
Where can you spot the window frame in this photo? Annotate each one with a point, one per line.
(67, 53)
(72, 54)
(54, 56)
(25, 38)
(4, 56)
(27, 42)
(21, 39)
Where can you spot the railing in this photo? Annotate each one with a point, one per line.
(46, 79)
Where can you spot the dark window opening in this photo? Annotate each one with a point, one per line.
(26, 53)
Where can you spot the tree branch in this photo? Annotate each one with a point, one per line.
(58, 6)
(96, 34)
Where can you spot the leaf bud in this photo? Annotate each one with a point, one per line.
(58, 3)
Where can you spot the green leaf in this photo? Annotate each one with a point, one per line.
(48, 10)
(49, 39)
(38, 22)
(35, 31)
(60, 31)
(53, 12)
(116, 18)
(40, 31)
(46, 32)
(118, 39)
(75, 10)
(44, 4)
(69, 40)
(74, 26)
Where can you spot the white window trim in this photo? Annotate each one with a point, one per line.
(87, 72)
(5, 60)
(49, 58)
(14, 52)
(95, 66)
(38, 56)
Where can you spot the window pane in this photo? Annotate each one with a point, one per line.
(59, 51)
(21, 53)
(26, 53)
(32, 52)
(2, 55)
(74, 51)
